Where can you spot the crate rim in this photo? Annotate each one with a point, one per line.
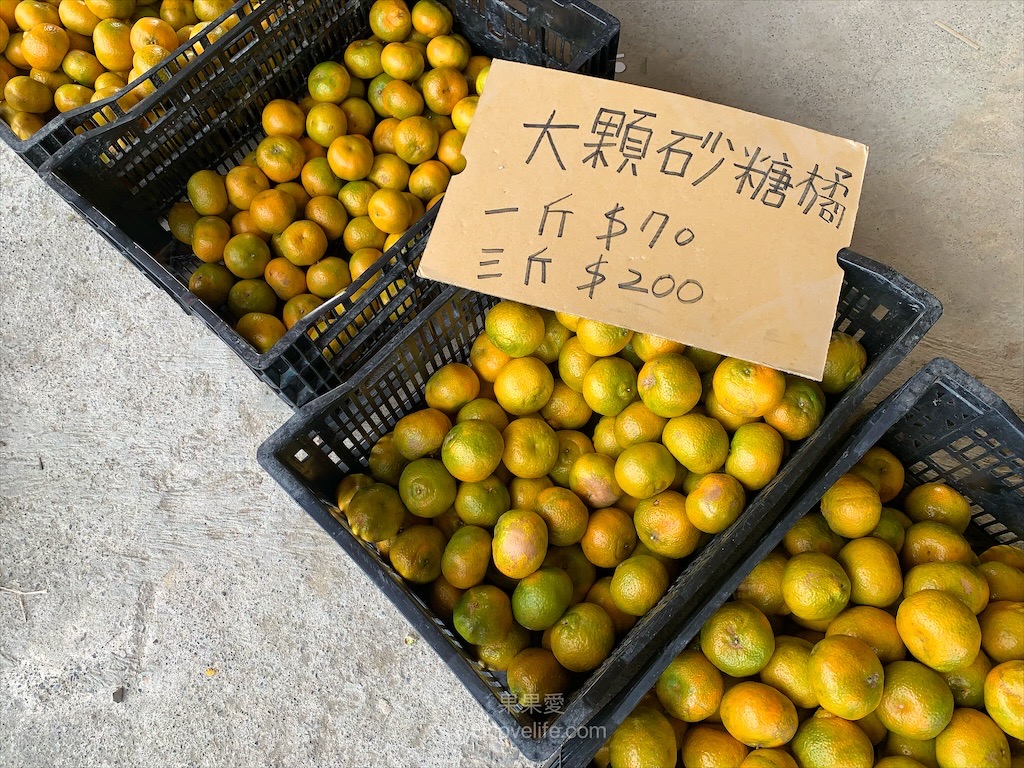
(871, 428)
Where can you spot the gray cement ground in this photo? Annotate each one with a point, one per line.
(166, 564)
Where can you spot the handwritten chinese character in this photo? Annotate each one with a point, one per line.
(535, 258)
(607, 127)
(565, 212)
(830, 209)
(545, 133)
(635, 141)
(673, 148)
(489, 264)
(776, 175)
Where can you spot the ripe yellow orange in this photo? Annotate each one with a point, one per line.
(715, 502)
(747, 389)
(815, 586)
(916, 702)
(875, 627)
(691, 687)
(851, 507)
(738, 639)
(939, 630)
(939, 503)
(758, 715)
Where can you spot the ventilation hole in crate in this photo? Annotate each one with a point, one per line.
(974, 452)
(335, 458)
(983, 518)
(986, 462)
(843, 325)
(1019, 462)
(301, 455)
(929, 476)
(1007, 538)
(917, 468)
(961, 443)
(944, 461)
(859, 334)
(880, 312)
(960, 474)
(1014, 480)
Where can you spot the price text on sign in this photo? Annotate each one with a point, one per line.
(654, 211)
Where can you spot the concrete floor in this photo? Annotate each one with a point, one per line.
(164, 563)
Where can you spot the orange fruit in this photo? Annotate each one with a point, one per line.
(609, 385)
(447, 51)
(351, 158)
(921, 752)
(939, 503)
(916, 702)
(1006, 554)
(691, 687)
(298, 307)
(260, 330)
(520, 543)
(516, 329)
(787, 671)
(210, 235)
(472, 450)
(973, 739)
(426, 487)
(153, 31)
(846, 676)
(401, 61)
(1001, 635)
(389, 211)
(466, 557)
(483, 502)
(573, 363)
(242, 184)
(416, 554)
(287, 280)
(638, 583)
(800, 411)
(70, 96)
(389, 172)
(592, 478)
(708, 746)
(645, 470)
(429, 179)
(360, 116)
(283, 118)
(246, 256)
(715, 502)
(297, 192)
(638, 424)
(486, 359)
(844, 363)
(384, 135)
(600, 594)
(669, 385)
(738, 639)
(375, 512)
(385, 462)
(890, 471)
(401, 100)
(747, 389)
(112, 43)
(583, 637)
(207, 193)
(939, 630)
(768, 758)
(362, 235)
(535, 673)
(875, 627)
(450, 387)
(610, 537)
(851, 506)
(815, 586)
(1005, 582)
(755, 455)
(571, 445)
(431, 18)
(523, 386)
(483, 615)
(762, 587)
(565, 515)
(645, 738)
(443, 88)
(958, 579)
(928, 542)
(541, 598)
(211, 283)
(76, 17)
(44, 46)
(272, 210)
(421, 433)
(362, 58)
(449, 150)
(572, 560)
(280, 157)
(1004, 696)
(831, 742)
(303, 243)
(329, 82)
(328, 213)
(251, 296)
(968, 683)
(463, 113)
(874, 571)
(663, 527)
(697, 442)
(601, 339)
(758, 715)
(890, 530)
(604, 437)
(390, 20)
(498, 655)
(812, 534)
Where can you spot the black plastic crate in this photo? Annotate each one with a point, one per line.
(125, 177)
(57, 132)
(944, 426)
(332, 437)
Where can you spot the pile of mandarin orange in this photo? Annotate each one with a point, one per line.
(59, 55)
(548, 492)
(341, 175)
(873, 636)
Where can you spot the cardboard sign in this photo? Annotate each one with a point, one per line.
(664, 214)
